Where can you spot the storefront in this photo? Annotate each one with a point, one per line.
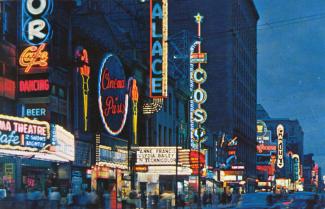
(30, 151)
(107, 176)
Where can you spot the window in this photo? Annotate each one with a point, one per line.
(165, 136)
(159, 134)
(177, 106)
(170, 104)
(170, 136)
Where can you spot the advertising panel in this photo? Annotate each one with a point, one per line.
(156, 156)
(112, 95)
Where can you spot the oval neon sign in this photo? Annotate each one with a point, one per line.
(112, 94)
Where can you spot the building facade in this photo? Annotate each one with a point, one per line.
(231, 67)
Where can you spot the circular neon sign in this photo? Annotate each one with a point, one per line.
(112, 94)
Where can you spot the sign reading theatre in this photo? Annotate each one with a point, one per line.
(19, 133)
(112, 94)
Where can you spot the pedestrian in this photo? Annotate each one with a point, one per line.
(155, 200)
(93, 200)
(55, 198)
(70, 199)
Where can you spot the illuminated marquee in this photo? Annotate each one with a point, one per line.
(280, 133)
(112, 95)
(23, 133)
(36, 27)
(84, 69)
(158, 48)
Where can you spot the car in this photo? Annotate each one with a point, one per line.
(302, 200)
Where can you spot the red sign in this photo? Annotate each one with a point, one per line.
(33, 56)
(7, 88)
(260, 148)
(266, 168)
(34, 85)
(196, 158)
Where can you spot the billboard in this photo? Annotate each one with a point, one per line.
(112, 94)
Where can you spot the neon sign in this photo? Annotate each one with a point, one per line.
(112, 94)
(280, 133)
(18, 133)
(158, 48)
(34, 85)
(33, 56)
(199, 95)
(296, 167)
(81, 55)
(36, 27)
(261, 147)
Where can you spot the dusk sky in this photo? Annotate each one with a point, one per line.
(291, 66)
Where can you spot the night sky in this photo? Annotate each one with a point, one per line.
(291, 66)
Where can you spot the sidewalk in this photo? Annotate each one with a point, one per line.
(219, 206)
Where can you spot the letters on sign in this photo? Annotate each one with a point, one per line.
(22, 132)
(36, 27)
(280, 133)
(158, 48)
(112, 95)
(33, 56)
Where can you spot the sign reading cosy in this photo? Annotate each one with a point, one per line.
(22, 132)
(112, 94)
(156, 156)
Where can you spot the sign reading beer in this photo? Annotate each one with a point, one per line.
(156, 156)
(36, 111)
(36, 28)
(36, 85)
(23, 133)
(158, 48)
(112, 94)
(280, 133)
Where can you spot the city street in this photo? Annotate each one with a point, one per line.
(117, 104)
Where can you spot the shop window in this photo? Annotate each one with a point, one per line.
(170, 136)
(159, 134)
(165, 136)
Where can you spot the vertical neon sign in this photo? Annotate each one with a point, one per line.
(36, 27)
(81, 55)
(280, 133)
(199, 95)
(158, 48)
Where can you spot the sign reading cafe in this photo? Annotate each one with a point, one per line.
(112, 94)
(22, 132)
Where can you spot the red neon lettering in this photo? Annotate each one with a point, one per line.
(33, 56)
(108, 83)
(34, 85)
(113, 107)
